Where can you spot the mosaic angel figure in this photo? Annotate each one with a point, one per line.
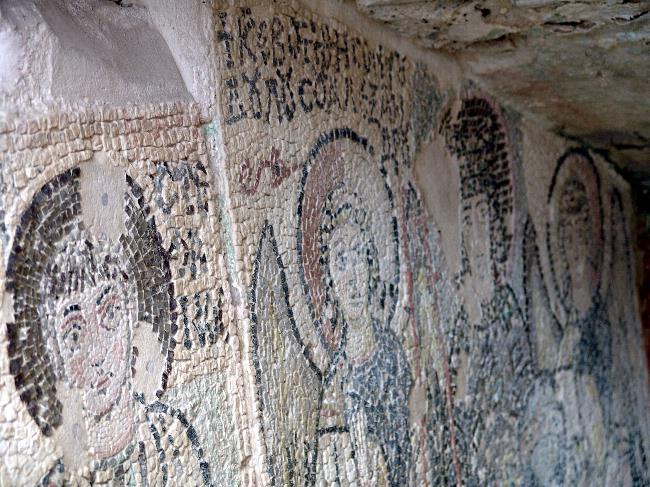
(363, 432)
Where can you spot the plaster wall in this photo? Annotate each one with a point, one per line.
(269, 244)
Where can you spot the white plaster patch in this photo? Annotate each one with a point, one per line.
(102, 190)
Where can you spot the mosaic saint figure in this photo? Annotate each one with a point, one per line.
(78, 304)
(491, 359)
(575, 245)
(363, 431)
(570, 332)
(371, 379)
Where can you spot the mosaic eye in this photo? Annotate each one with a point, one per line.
(341, 260)
(109, 316)
(359, 249)
(72, 335)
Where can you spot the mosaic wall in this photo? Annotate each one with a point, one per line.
(374, 360)
(269, 299)
(116, 306)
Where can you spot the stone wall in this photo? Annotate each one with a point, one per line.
(320, 257)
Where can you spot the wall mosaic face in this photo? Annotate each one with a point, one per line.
(266, 299)
(118, 300)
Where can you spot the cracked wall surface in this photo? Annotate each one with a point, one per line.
(270, 244)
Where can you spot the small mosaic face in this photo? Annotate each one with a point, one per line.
(576, 229)
(348, 264)
(93, 336)
(476, 235)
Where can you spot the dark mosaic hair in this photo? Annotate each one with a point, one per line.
(52, 215)
(149, 268)
(51, 227)
(345, 207)
(478, 138)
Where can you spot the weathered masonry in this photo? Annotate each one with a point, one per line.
(273, 243)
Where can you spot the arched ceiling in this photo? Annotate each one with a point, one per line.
(580, 67)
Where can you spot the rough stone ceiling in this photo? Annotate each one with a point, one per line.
(580, 67)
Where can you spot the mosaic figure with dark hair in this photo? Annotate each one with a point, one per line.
(575, 245)
(570, 332)
(85, 319)
(78, 305)
(491, 359)
(367, 389)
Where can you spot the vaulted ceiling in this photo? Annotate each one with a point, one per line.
(580, 67)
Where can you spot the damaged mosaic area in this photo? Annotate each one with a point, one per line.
(373, 360)
(120, 309)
